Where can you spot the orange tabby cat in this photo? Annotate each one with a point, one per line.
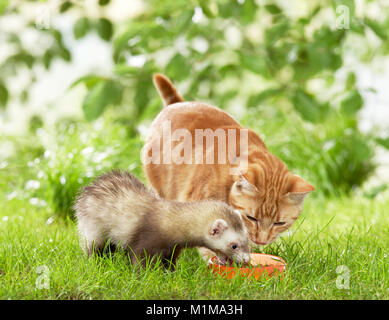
(268, 195)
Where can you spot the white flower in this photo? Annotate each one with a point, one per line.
(100, 156)
(34, 201)
(50, 221)
(62, 179)
(198, 15)
(136, 61)
(133, 41)
(87, 151)
(3, 164)
(89, 173)
(328, 145)
(11, 195)
(84, 137)
(200, 44)
(5, 218)
(143, 130)
(40, 174)
(32, 184)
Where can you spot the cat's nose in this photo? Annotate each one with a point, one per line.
(262, 238)
(261, 243)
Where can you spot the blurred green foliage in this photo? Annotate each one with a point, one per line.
(252, 53)
(51, 171)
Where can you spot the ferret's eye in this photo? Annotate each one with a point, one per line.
(234, 246)
(281, 223)
(251, 218)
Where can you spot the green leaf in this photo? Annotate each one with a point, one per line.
(134, 30)
(104, 28)
(81, 27)
(89, 81)
(383, 142)
(103, 94)
(57, 35)
(316, 57)
(3, 5)
(47, 58)
(254, 63)
(256, 99)
(275, 32)
(95, 102)
(123, 69)
(209, 7)
(65, 6)
(24, 96)
(308, 107)
(35, 123)
(104, 2)
(64, 53)
(3, 96)
(273, 9)
(142, 96)
(228, 96)
(24, 57)
(249, 10)
(181, 23)
(352, 103)
(350, 81)
(178, 67)
(357, 26)
(377, 28)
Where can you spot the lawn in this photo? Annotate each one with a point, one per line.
(337, 249)
(307, 76)
(348, 232)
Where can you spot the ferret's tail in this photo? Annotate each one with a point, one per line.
(166, 90)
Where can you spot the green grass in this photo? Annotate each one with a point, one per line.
(330, 233)
(39, 182)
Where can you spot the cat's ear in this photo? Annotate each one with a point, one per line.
(299, 189)
(241, 185)
(217, 228)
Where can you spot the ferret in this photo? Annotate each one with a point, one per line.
(118, 210)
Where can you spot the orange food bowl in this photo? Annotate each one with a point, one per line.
(262, 265)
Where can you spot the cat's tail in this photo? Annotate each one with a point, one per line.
(166, 89)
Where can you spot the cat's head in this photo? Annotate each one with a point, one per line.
(269, 205)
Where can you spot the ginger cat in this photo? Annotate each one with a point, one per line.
(269, 197)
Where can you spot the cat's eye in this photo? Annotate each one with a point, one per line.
(251, 218)
(234, 246)
(281, 223)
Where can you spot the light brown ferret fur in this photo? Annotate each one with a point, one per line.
(117, 209)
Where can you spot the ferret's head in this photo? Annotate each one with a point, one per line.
(228, 237)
